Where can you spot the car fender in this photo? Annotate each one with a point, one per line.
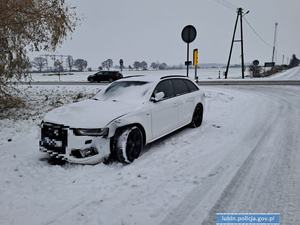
(143, 118)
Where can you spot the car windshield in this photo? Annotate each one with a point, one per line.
(125, 91)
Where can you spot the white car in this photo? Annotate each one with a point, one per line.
(121, 119)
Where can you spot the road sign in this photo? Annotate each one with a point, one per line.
(255, 62)
(188, 34)
(269, 64)
(187, 63)
(195, 57)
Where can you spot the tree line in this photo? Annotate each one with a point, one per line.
(42, 64)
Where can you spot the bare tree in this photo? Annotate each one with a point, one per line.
(107, 64)
(39, 63)
(294, 61)
(80, 64)
(154, 65)
(58, 65)
(162, 66)
(70, 62)
(136, 65)
(29, 25)
(144, 65)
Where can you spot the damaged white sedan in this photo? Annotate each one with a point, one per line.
(121, 119)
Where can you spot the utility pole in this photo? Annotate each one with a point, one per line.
(242, 42)
(275, 40)
(282, 59)
(240, 15)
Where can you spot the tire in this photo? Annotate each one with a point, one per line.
(128, 144)
(91, 80)
(197, 116)
(110, 80)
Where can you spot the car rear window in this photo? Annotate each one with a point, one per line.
(192, 87)
(180, 87)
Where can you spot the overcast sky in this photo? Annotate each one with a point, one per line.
(151, 30)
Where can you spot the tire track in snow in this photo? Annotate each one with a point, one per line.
(275, 186)
(199, 200)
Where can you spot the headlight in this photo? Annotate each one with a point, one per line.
(91, 132)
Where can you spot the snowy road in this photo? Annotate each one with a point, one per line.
(244, 158)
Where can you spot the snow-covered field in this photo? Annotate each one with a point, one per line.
(82, 76)
(244, 158)
(203, 74)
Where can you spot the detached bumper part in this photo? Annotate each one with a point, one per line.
(83, 153)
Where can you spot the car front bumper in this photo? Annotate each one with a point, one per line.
(60, 142)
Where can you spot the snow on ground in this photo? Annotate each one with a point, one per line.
(39, 100)
(212, 73)
(244, 158)
(291, 74)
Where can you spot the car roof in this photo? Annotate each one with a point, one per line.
(152, 78)
(109, 71)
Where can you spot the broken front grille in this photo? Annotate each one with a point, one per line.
(54, 137)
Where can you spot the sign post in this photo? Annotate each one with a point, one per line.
(188, 35)
(195, 62)
(121, 64)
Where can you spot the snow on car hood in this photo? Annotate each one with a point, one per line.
(89, 113)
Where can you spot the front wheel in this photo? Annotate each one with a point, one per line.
(197, 116)
(128, 144)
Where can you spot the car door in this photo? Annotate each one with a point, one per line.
(164, 113)
(185, 101)
(105, 76)
(99, 76)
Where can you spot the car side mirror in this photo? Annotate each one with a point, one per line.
(158, 96)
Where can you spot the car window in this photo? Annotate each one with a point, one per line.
(166, 87)
(180, 87)
(192, 87)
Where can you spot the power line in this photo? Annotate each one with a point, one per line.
(226, 4)
(257, 34)
(280, 51)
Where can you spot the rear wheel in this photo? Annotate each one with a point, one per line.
(128, 144)
(197, 116)
(110, 80)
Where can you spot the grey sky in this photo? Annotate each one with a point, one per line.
(150, 30)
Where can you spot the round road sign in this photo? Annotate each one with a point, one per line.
(256, 62)
(188, 34)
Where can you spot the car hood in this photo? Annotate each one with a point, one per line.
(89, 113)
